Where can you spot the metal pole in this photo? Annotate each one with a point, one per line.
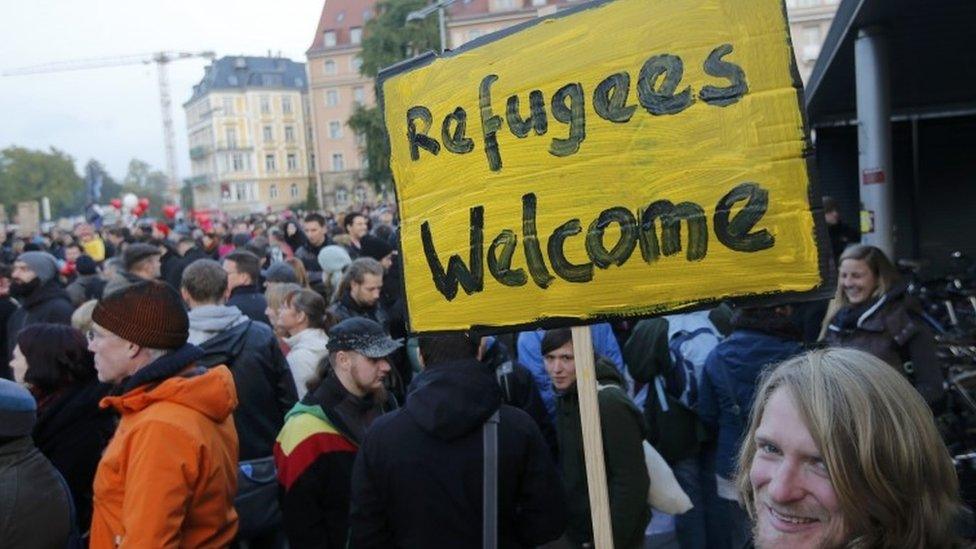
(443, 27)
(874, 137)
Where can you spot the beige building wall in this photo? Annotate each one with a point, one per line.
(249, 150)
(336, 88)
(809, 22)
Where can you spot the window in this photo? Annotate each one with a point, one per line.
(367, 15)
(338, 163)
(360, 193)
(356, 35)
(292, 162)
(286, 105)
(269, 163)
(289, 134)
(293, 190)
(360, 139)
(342, 196)
(330, 38)
(331, 98)
(335, 129)
(265, 104)
(237, 160)
(364, 161)
(243, 192)
(359, 95)
(231, 135)
(268, 134)
(356, 64)
(330, 67)
(311, 162)
(538, 2)
(273, 191)
(228, 105)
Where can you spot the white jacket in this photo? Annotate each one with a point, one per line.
(307, 350)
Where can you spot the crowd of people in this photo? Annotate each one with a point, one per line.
(253, 385)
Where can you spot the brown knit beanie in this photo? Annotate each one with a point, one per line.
(148, 313)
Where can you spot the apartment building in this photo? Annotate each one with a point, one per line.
(249, 143)
(809, 21)
(336, 88)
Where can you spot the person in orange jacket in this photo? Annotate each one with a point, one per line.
(169, 475)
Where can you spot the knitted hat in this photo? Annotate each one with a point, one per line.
(281, 272)
(148, 313)
(18, 410)
(136, 252)
(42, 263)
(85, 265)
(374, 247)
(334, 258)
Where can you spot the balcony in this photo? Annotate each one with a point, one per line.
(198, 181)
(198, 152)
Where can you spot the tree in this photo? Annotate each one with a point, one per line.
(311, 198)
(387, 39)
(27, 174)
(146, 182)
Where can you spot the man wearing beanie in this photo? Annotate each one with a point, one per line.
(35, 510)
(141, 261)
(169, 475)
(88, 284)
(34, 284)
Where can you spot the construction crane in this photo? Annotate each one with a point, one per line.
(162, 60)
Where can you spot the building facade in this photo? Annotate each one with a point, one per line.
(336, 89)
(248, 135)
(809, 22)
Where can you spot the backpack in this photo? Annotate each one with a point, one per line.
(688, 349)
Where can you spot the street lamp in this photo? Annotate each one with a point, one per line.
(422, 13)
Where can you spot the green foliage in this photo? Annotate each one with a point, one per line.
(27, 174)
(311, 198)
(388, 39)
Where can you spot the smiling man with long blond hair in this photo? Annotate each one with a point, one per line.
(843, 452)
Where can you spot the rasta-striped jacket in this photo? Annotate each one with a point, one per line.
(314, 460)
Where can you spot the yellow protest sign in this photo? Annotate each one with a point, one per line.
(627, 157)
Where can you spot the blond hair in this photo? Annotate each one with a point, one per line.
(891, 472)
(885, 273)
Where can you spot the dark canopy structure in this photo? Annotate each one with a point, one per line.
(915, 61)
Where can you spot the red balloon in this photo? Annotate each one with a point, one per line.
(116, 203)
(169, 211)
(138, 210)
(144, 203)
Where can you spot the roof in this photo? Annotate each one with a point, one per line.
(932, 67)
(247, 73)
(340, 16)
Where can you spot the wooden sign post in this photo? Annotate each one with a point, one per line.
(596, 473)
(615, 159)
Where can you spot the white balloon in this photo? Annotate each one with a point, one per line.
(130, 201)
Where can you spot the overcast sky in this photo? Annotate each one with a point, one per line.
(113, 114)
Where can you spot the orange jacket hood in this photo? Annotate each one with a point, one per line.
(212, 393)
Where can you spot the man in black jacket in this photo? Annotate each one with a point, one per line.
(34, 284)
(358, 293)
(244, 283)
(265, 388)
(34, 502)
(418, 478)
(318, 444)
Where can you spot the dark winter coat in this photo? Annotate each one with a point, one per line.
(623, 433)
(251, 302)
(174, 276)
(48, 303)
(7, 308)
(890, 328)
(265, 388)
(314, 455)
(730, 377)
(35, 508)
(346, 307)
(72, 431)
(309, 254)
(418, 478)
(519, 389)
(84, 288)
